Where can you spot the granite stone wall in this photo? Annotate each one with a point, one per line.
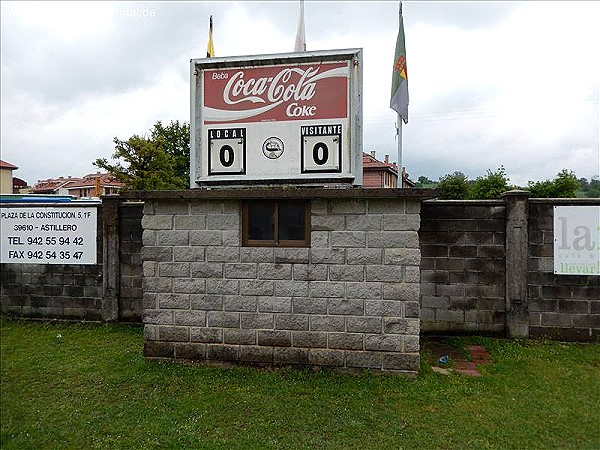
(349, 301)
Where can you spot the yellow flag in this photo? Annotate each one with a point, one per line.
(210, 49)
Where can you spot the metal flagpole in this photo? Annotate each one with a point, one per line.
(399, 182)
(399, 99)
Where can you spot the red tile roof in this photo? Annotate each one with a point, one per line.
(17, 182)
(372, 163)
(106, 180)
(52, 185)
(7, 165)
(373, 171)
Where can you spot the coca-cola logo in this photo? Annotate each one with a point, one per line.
(276, 93)
(277, 88)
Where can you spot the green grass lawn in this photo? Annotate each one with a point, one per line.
(88, 386)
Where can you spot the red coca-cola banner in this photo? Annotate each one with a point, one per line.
(276, 93)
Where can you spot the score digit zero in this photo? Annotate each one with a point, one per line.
(321, 148)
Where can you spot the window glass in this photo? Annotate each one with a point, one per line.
(276, 223)
(261, 221)
(291, 220)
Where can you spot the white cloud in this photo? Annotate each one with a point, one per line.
(491, 83)
(66, 20)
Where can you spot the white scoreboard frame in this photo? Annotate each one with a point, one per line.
(338, 140)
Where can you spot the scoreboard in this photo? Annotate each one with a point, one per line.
(284, 118)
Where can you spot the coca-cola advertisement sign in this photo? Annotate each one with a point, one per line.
(277, 118)
(276, 93)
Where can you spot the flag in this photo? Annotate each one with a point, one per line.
(300, 37)
(399, 99)
(210, 49)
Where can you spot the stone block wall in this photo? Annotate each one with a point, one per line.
(130, 267)
(565, 307)
(463, 267)
(61, 291)
(350, 301)
(75, 291)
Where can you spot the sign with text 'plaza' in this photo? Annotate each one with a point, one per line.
(48, 235)
(293, 117)
(577, 240)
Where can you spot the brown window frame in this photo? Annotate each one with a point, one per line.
(276, 242)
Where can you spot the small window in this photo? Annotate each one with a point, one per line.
(278, 223)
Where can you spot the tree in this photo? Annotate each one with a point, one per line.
(423, 181)
(176, 140)
(157, 162)
(490, 186)
(454, 186)
(593, 188)
(541, 189)
(565, 185)
(584, 184)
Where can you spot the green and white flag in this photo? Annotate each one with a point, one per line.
(399, 100)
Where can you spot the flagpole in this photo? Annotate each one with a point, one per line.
(399, 181)
(300, 45)
(399, 99)
(210, 48)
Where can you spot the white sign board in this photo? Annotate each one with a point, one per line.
(293, 117)
(577, 240)
(48, 235)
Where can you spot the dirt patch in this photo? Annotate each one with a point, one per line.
(447, 358)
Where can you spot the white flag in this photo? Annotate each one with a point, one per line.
(300, 37)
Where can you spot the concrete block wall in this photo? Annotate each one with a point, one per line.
(463, 267)
(75, 291)
(130, 267)
(564, 307)
(350, 301)
(61, 291)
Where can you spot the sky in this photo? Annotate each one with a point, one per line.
(491, 84)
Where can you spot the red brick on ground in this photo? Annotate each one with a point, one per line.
(479, 354)
(466, 368)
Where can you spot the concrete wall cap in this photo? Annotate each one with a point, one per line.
(516, 193)
(275, 192)
(566, 201)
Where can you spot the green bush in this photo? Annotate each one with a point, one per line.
(491, 186)
(593, 189)
(565, 185)
(454, 186)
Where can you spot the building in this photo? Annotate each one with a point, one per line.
(20, 186)
(382, 174)
(94, 185)
(6, 178)
(91, 185)
(53, 186)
